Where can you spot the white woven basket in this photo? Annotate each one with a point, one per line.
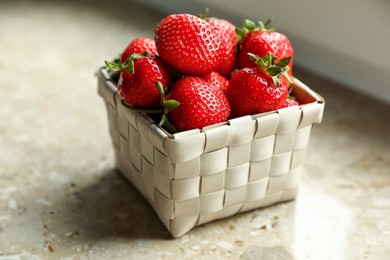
(197, 176)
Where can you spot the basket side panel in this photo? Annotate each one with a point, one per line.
(185, 148)
(195, 177)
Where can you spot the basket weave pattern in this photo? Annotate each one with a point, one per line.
(197, 176)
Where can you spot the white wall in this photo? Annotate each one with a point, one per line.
(348, 41)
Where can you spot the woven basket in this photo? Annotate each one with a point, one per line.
(197, 176)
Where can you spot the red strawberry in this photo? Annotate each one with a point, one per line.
(139, 45)
(259, 89)
(217, 80)
(230, 39)
(200, 104)
(289, 102)
(259, 41)
(136, 85)
(189, 44)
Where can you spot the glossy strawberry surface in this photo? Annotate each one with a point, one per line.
(252, 91)
(218, 81)
(289, 102)
(189, 44)
(139, 45)
(230, 39)
(200, 104)
(138, 89)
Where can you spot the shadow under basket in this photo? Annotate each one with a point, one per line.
(197, 176)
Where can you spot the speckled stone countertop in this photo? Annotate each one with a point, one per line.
(61, 197)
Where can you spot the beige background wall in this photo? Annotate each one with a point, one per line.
(348, 41)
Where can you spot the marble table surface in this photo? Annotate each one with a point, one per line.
(61, 197)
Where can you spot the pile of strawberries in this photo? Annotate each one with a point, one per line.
(201, 71)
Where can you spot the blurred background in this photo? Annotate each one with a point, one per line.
(347, 41)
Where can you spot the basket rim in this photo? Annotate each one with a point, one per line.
(105, 74)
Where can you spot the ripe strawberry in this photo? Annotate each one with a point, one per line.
(200, 104)
(289, 102)
(230, 39)
(217, 80)
(259, 41)
(259, 89)
(138, 77)
(139, 45)
(189, 44)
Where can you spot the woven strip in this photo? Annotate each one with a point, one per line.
(197, 176)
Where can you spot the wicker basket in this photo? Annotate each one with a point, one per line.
(197, 176)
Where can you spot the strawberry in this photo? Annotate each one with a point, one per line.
(139, 45)
(138, 77)
(217, 80)
(189, 44)
(259, 89)
(259, 40)
(230, 39)
(200, 104)
(289, 102)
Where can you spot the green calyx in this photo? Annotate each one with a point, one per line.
(205, 14)
(274, 70)
(250, 26)
(166, 106)
(128, 65)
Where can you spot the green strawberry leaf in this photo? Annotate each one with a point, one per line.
(240, 33)
(170, 105)
(165, 122)
(286, 75)
(250, 25)
(166, 107)
(283, 62)
(142, 110)
(253, 57)
(160, 88)
(128, 65)
(270, 59)
(205, 14)
(290, 89)
(267, 64)
(134, 55)
(114, 65)
(264, 26)
(274, 71)
(269, 21)
(276, 80)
